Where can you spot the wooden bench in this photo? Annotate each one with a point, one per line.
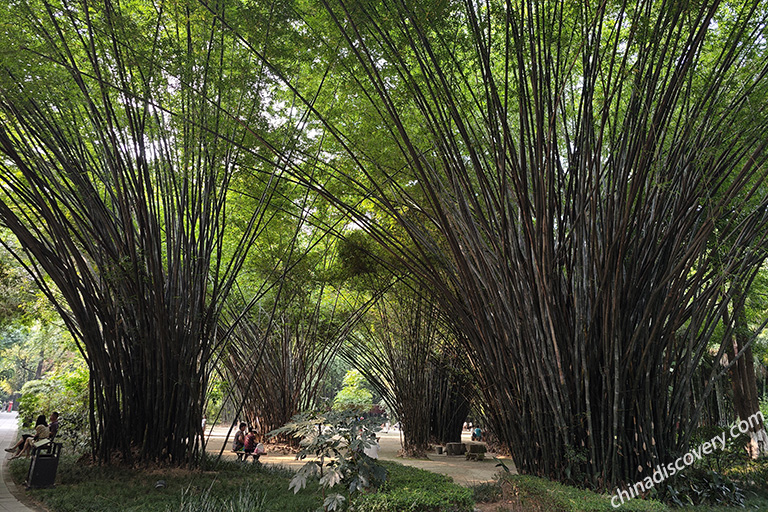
(243, 456)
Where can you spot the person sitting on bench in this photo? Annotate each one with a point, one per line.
(239, 442)
(250, 445)
(53, 425)
(27, 441)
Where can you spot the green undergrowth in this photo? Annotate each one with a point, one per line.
(415, 490)
(532, 494)
(229, 486)
(238, 487)
(232, 487)
(535, 494)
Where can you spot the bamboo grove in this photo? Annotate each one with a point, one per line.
(579, 188)
(585, 195)
(118, 180)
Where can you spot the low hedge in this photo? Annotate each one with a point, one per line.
(409, 489)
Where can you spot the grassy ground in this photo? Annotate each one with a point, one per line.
(231, 487)
(86, 488)
(234, 487)
(521, 493)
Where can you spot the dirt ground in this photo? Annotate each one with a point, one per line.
(462, 471)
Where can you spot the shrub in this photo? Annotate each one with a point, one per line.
(487, 492)
(335, 443)
(752, 474)
(66, 393)
(734, 454)
(415, 490)
(702, 487)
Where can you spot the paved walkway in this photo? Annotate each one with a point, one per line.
(8, 490)
(462, 471)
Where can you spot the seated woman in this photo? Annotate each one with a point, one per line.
(27, 441)
(239, 441)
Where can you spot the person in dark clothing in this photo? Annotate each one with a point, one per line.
(239, 441)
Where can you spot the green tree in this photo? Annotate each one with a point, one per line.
(354, 396)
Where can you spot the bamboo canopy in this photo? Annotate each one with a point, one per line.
(583, 187)
(117, 176)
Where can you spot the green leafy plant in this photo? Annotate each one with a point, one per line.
(734, 454)
(702, 487)
(334, 444)
(66, 393)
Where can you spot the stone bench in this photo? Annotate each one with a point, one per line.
(455, 448)
(476, 451)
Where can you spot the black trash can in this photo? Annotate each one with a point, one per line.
(42, 469)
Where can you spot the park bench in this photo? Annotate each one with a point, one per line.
(258, 452)
(243, 456)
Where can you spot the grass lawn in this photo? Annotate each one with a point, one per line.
(521, 493)
(231, 487)
(86, 488)
(239, 487)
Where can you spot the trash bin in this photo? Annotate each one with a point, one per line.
(42, 469)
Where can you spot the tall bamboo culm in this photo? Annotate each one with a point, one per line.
(569, 168)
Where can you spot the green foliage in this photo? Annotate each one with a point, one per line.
(353, 395)
(20, 301)
(336, 443)
(487, 492)
(215, 398)
(66, 393)
(751, 474)
(359, 256)
(415, 490)
(97, 488)
(27, 351)
(33, 400)
(697, 486)
(734, 453)
(536, 493)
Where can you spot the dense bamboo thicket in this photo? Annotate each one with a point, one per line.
(276, 360)
(451, 392)
(410, 357)
(394, 355)
(117, 176)
(583, 189)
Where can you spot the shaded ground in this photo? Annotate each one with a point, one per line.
(462, 471)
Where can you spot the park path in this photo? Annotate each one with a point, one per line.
(462, 471)
(9, 492)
